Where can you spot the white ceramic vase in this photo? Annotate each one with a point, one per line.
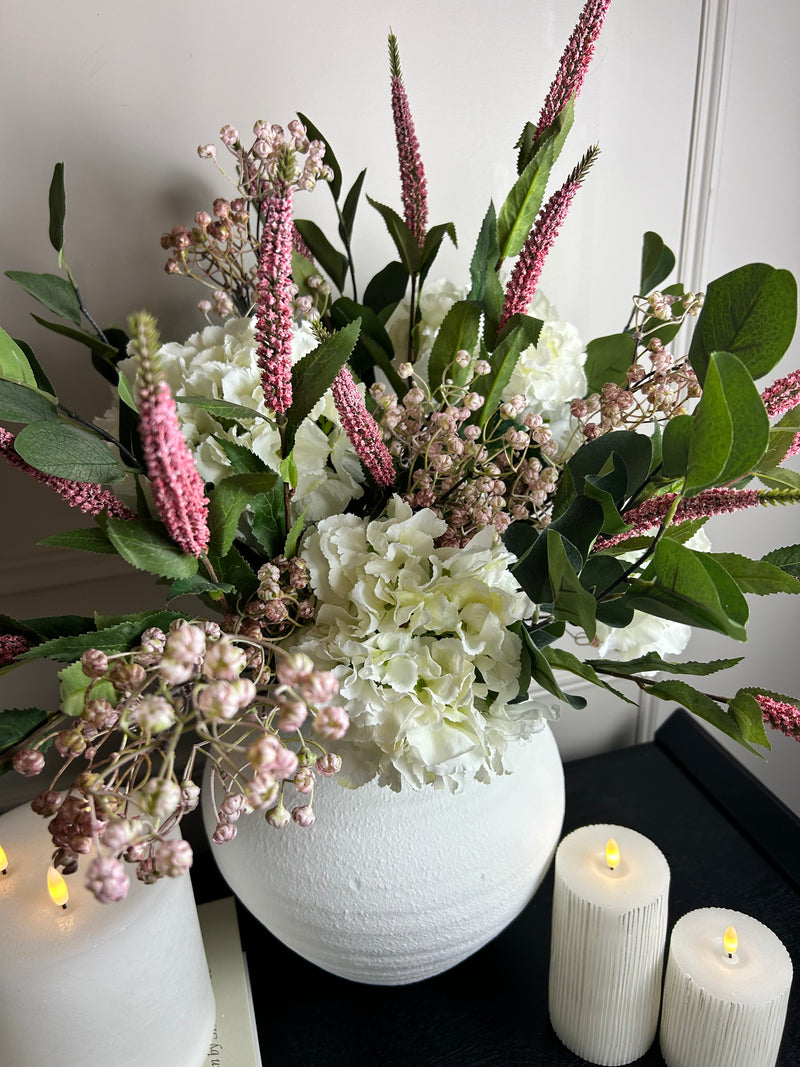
(389, 888)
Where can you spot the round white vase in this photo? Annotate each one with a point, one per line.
(390, 888)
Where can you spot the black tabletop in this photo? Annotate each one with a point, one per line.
(729, 843)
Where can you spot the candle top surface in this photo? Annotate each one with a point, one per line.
(640, 877)
(33, 929)
(760, 970)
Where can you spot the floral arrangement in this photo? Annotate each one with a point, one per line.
(394, 508)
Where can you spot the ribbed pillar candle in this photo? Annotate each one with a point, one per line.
(723, 1008)
(607, 950)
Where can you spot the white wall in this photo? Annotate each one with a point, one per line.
(124, 94)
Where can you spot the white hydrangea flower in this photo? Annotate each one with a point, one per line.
(220, 363)
(418, 638)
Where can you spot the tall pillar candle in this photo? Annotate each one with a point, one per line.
(726, 992)
(122, 984)
(607, 950)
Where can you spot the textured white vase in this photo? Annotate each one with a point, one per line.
(389, 888)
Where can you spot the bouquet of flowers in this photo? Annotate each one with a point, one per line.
(393, 506)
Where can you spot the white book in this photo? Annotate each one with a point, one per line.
(235, 1041)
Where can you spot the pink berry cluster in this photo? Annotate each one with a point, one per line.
(469, 474)
(247, 705)
(221, 250)
(283, 601)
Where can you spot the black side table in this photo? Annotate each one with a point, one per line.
(728, 841)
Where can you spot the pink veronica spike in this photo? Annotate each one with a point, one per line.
(781, 397)
(12, 646)
(528, 268)
(781, 715)
(412, 172)
(177, 487)
(362, 429)
(90, 498)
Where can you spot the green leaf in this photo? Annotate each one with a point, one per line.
(433, 241)
(223, 409)
(751, 422)
(756, 576)
(48, 627)
(658, 262)
(519, 211)
(125, 394)
(651, 661)
(228, 500)
(373, 347)
(749, 718)
(14, 364)
(782, 435)
(56, 294)
(486, 289)
(17, 723)
(290, 548)
(350, 206)
(502, 362)
(23, 403)
(89, 339)
(405, 242)
(609, 490)
(313, 375)
(541, 671)
(561, 660)
(459, 330)
(750, 313)
(269, 522)
(241, 459)
(117, 638)
(675, 446)
(788, 559)
(234, 569)
(690, 587)
(73, 687)
(387, 288)
(68, 452)
(634, 449)
(147, 547)
(91, 539)
(555, 135)
(330, 159)
(197, 585)
(608, 360)
(332, 261)
(779, 478)
(712, 435)
(288, 471)
(571, 601)
(57, 200)
(700, 704)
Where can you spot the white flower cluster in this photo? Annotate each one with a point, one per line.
(220, 363)
(418, 639)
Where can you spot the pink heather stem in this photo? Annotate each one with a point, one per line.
(781, 397)
(299, 245)
(362, 429)
(412, 172)
(12, 646)
(528, 268)
(274, 313)
(177, 487)
(710, 502)
(573, 64)
(90, 498)
(781, 715)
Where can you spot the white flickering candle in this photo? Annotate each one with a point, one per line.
(726, 992)
(122, 984)
(607, 950)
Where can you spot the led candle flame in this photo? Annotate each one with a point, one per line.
(730, 941)
(612, 853)
(3, 861)
(57, 887)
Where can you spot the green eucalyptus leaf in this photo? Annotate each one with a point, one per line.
(658, 262)
(332, 261)
(23, 403)
(228, 500)
(608, 360)
(571, 601)
(540, 670)
(17, 723)
(600, 572)
(330, 159)
(387, 288)
(146, 546)
(14, 363)
(751, 422)
(405, 242)
(53, 292)
(712, 435)
(755, 575)
(90, 539)
(561, 660)
(69, 452)
(519, 211)
(609, 490)
(88, 339)
(751, 313)
(675, 691)
(458, 331)
(634, 449)
(57, 201)
(675, 446)
(350, 206)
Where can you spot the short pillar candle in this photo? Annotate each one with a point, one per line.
(607, 949)
(122, 984)
(726, 992)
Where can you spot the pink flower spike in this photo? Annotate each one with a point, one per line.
(362, 429)
(574, 63)
(781, 715)
(525, 276)
(781, 397)
(177, 488)
(274, 312)
(91, 499)
(11, 646)
(412, 172)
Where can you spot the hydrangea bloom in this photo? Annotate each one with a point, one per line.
(418, 639)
